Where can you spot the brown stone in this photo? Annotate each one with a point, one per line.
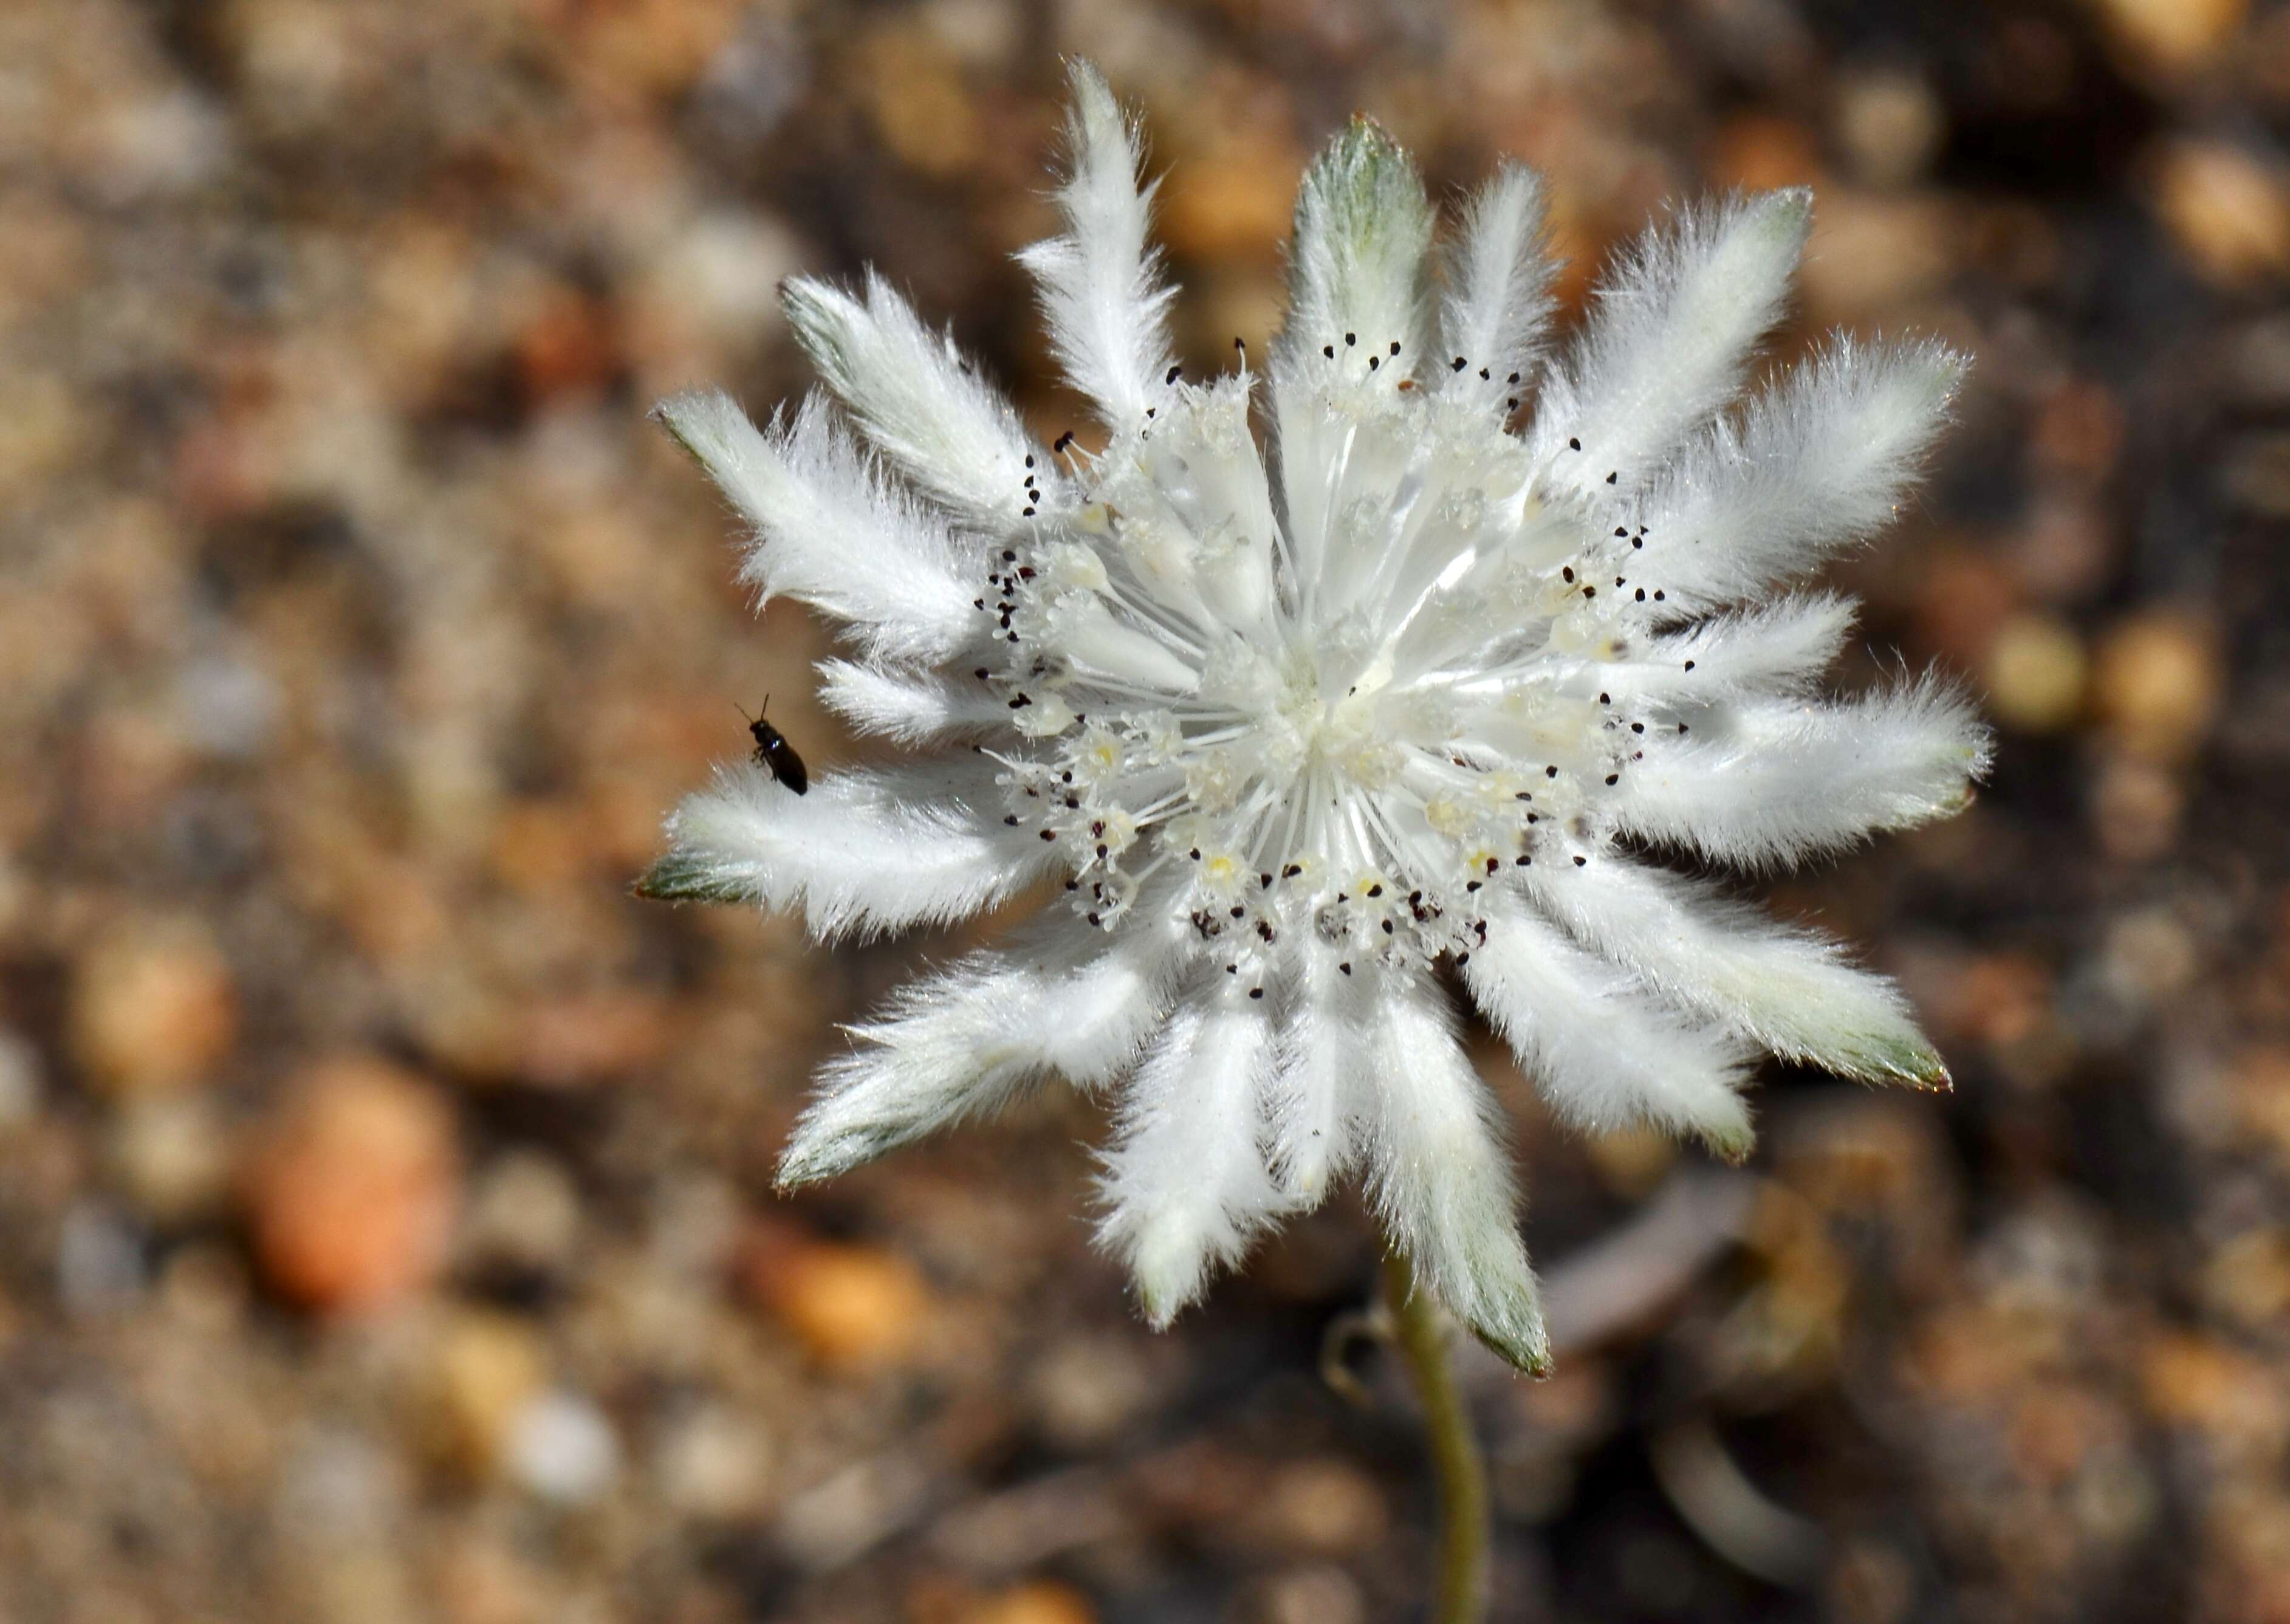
(2165, 37)
(2157, 684)
(1041, 1601)
(2035, 673)
(2227, 211)
(153, 1007)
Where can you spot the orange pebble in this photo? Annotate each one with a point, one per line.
(352, 1201)
(852, 1308)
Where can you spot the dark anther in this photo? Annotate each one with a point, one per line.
(1567, 575)
(1394, 347)
(1351, 338)
(1613, 475)
(1613, 778)
(1581, 861)
(1256, 992)
(1328, 350)
(1064, 440)
(1572, 444)
(1049, 834)
(1460, 365)
(1171, 375)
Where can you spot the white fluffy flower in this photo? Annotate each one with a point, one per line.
(1294, 727)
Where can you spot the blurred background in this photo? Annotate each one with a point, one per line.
(385, 1221)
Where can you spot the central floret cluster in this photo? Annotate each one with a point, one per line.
(1406, 681)
(1342, 730)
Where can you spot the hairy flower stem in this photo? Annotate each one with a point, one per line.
(1419, 1331)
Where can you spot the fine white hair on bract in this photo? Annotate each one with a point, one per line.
(1295, 724)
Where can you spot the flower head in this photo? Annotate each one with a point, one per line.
(1294, 725)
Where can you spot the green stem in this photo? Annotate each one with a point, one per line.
(1420, 1332)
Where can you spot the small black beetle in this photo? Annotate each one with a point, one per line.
(774, 753)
